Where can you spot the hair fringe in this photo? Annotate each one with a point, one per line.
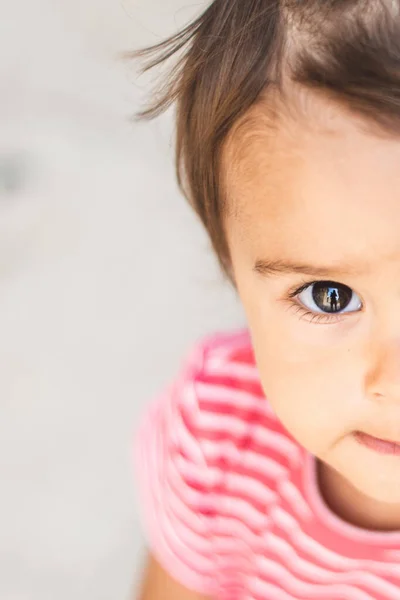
(236, 51)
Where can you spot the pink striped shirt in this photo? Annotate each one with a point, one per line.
(230, 502)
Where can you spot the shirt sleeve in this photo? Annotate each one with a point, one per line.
(171, 477)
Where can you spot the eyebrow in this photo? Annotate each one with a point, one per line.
(282, 267)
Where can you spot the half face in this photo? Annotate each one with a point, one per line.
(313, 231)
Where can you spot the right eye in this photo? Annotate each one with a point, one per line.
(329, 297)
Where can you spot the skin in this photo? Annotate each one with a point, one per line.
(327, 194)
(322, 189)
(159, 585)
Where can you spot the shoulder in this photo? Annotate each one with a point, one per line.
(180, 461)
(230, 415)
(211, 460)
(215, 405)
(225, 359)
(226, 387)
(218, 385)
(217, 396)
(220, 350)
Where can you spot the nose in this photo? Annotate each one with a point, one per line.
(383, 377)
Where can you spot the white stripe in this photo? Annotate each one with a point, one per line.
(233, 396)
(222, 346)
(236, 482)
(199, 523)
(157, 519)
(232, 481)
(393, 555)
(237, 530)
(270, 440)
(193, 541)
(188, 398)
(161, 549)
(265, 466)
(179, 550)
(239, 507)
(282, 575)
(279, 442)
(205, 477)
(236, 427)
(186, 493)
(155, 443)
(177, 430)
(377, 585)
(173, 563)
(237, 550)
(289, 556)
(317, 574)
(225, 423)
(331, 559)
(178, 534)
(268, 591)
(295, 498)
(242, 371)
(213, 450)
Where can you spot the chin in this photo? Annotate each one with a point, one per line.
(383, 488)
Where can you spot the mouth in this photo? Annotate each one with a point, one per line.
(377, 444)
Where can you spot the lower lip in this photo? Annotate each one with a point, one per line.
(381, 446)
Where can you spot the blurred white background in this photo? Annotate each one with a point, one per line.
(106, 278)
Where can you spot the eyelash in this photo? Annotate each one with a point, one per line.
(315, 318)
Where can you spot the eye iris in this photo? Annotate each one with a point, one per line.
(331, 297)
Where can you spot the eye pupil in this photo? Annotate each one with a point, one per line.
(331, 297)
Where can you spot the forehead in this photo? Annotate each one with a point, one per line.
(317, 176)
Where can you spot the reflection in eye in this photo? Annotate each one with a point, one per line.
(329, 297)
(13, 171)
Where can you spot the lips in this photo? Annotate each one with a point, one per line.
(377, 444)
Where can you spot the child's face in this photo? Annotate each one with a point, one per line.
(324, 193)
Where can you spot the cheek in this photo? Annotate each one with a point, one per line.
(309, 379)
(303, 396)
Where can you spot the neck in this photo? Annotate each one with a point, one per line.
(354, 507)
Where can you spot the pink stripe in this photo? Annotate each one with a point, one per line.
(308, 570)
(330, 559)
(180, 435)
(263, 590)
(186, 572)
(240, 371)
(226, 501)
(227, 526)
(238, 482)
(272, 571)
(259, 467)
(276, 442)
(235, 398)
(194, 520)
(234, 427)
(222, 345)
(295, 499)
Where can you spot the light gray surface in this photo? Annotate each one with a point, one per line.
(106, 278)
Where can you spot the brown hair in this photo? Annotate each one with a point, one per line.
(237, 51)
